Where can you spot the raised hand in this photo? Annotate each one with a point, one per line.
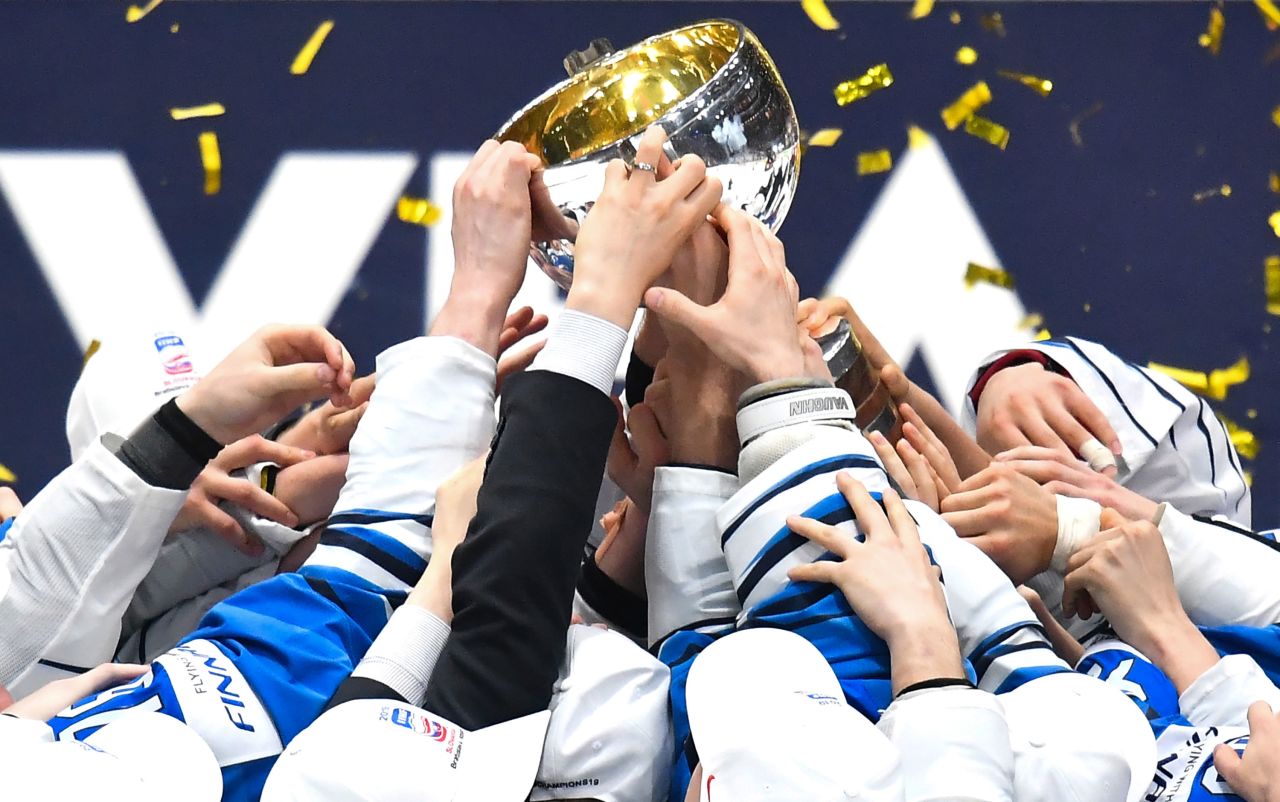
(1028, 405)
(752, 327)
(327, 429)
(1124, 573)
(888, 580)
(1009, 517)
(632, 461)
(519, 325)
(1067, 476)
(633, 231)
(275, 371)
(215, 484)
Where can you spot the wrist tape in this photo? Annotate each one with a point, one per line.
(778, 404)
(1078, 520)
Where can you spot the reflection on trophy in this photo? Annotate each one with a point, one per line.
(716, 93)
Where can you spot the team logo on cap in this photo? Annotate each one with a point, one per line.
(173, 354)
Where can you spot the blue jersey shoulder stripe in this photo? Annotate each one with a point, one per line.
(386, 552)
(799, 477)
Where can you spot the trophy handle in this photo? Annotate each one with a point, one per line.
(852, 372)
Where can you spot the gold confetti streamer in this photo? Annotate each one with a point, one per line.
(1042, 85)
(820, 15)
(94, 345)
(955, 17)
(874, 161)
(1251, 413)
(977, 274)
(963, 108)
(1244, 440)
(192, 112)
(1205, 194)
(211, 158)
(173, 28)
(825, 138)
(1211, 39)
(1271, 275)
(993, 23)
(1274, 221)
(7, 476)
(1275, 116)
(917, 137)
(1274, 182)
(921, 9)
(1088, 307)
(419, 211)
(302, 61)
(987, 131)
(1270, 13)
(135, 13)
(875, 78)
(966, 56)
(1213, 384)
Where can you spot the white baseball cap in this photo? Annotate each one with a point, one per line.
(1077, 739)
(128, 377)
(606, 736)
(770, 722)
(139, 757)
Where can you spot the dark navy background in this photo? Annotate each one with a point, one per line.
(1112, 224)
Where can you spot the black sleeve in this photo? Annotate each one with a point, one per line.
(167, 450)
(514, 574)
(639, 377)
(363, 688)
(623, 609)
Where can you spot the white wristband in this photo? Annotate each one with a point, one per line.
(797, 406)
(1078, 520)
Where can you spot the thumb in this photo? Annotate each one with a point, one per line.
(675, 307)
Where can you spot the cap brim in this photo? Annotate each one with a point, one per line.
(500, 763)
(168, 756)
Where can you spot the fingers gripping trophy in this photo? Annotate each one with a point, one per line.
(716, 92)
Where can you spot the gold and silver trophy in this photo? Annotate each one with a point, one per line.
(716, 92)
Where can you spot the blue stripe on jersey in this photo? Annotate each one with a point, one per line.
(4, 528)
(832, 511)
(369, 517)
(382, 550)
(799, 477)
(1213, 462)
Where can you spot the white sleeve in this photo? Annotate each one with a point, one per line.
(1225, 575)
(431, 411)
(1174, 448)
(1220, 697)
(70, 564)
(954, 743)
(404, 654)
(686, 577)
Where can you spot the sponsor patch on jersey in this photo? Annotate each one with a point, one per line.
(174, 356)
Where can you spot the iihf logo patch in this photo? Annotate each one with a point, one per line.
(173, 354)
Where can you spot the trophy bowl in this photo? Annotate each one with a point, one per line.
(712, 88)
